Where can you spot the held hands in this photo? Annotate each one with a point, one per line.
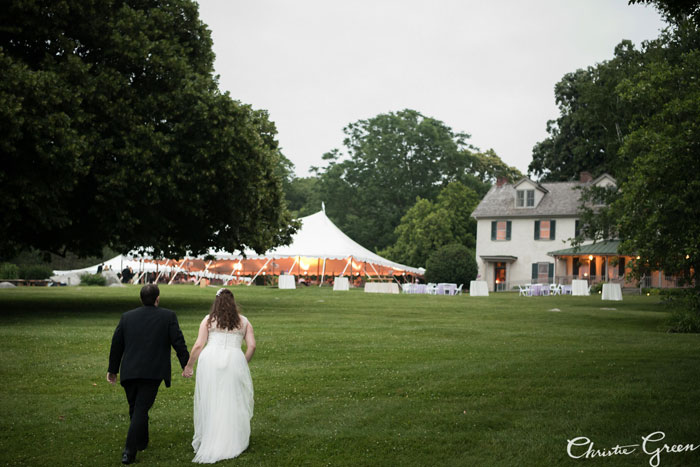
(187, 371)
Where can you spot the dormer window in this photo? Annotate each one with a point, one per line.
(525, 199)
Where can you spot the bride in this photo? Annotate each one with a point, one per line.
(223, 394)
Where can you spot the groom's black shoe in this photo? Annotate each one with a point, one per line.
(128, 456)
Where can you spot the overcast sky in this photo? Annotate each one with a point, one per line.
(486, 68)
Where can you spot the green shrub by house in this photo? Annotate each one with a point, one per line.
(453, 264)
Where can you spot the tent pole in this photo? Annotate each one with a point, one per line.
(293, 264)
(257, 273)
(177, 270)
(233, 271)
(323, 274)
(375, 269)
(366, 273)
(206, 268)
(161, 271)
(346, 267)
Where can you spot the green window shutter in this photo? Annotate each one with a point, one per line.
(552, 229)
(493, 230)
(537, 230)
(577, 228)
(534, 271)
(550, 273)
(508, 230)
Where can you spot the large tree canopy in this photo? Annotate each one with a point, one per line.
(391, 160)
(675, 10)
(656, 211)
(593, 121)
(659, 206)
(113, 133)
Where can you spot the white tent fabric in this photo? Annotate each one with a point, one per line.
(115, 264)
(319, 237)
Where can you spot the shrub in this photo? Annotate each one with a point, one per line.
(35, 272)
(650, 291)
(597, 288)
(453, 263)
(9, 271)
(93, 279)
(685, 310)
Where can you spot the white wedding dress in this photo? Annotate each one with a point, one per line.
(223, 397)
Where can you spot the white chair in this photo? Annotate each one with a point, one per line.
(431, 288)
(458, 290)
(525, 292)
(406, 288)
(554, 289)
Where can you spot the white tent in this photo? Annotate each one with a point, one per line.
(319, 237)
(318, 245)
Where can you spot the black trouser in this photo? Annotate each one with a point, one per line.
(141, 393)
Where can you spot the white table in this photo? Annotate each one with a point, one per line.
(341, 283)
(579, 287)
(381, 287)
(612, 292)
(536, 290)
(478, 289)
(446, 288)
(416, 288)
(287, 281)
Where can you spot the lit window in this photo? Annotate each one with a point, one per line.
(501, 230)
(545, 230)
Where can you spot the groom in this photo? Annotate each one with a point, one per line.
(141, 344)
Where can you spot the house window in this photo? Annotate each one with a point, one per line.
(525, 198)
(500, 230)
(545, 229)
(542, 273)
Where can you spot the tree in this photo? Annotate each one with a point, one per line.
(675, 10)
(655, 210)
(593, 121)
(113, 133)
(659, 205)
(452, 264)
(488, 167)
(428, 226)
(391, 160)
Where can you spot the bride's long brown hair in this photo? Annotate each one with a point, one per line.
(224, 311)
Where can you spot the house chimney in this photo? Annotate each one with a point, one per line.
(586, 177)
(500, 181)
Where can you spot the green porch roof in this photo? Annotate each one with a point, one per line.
(604, 248)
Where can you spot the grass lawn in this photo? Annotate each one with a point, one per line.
(347, 378)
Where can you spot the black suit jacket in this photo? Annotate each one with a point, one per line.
(141, 344)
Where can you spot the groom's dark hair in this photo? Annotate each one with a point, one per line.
(149, 294)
